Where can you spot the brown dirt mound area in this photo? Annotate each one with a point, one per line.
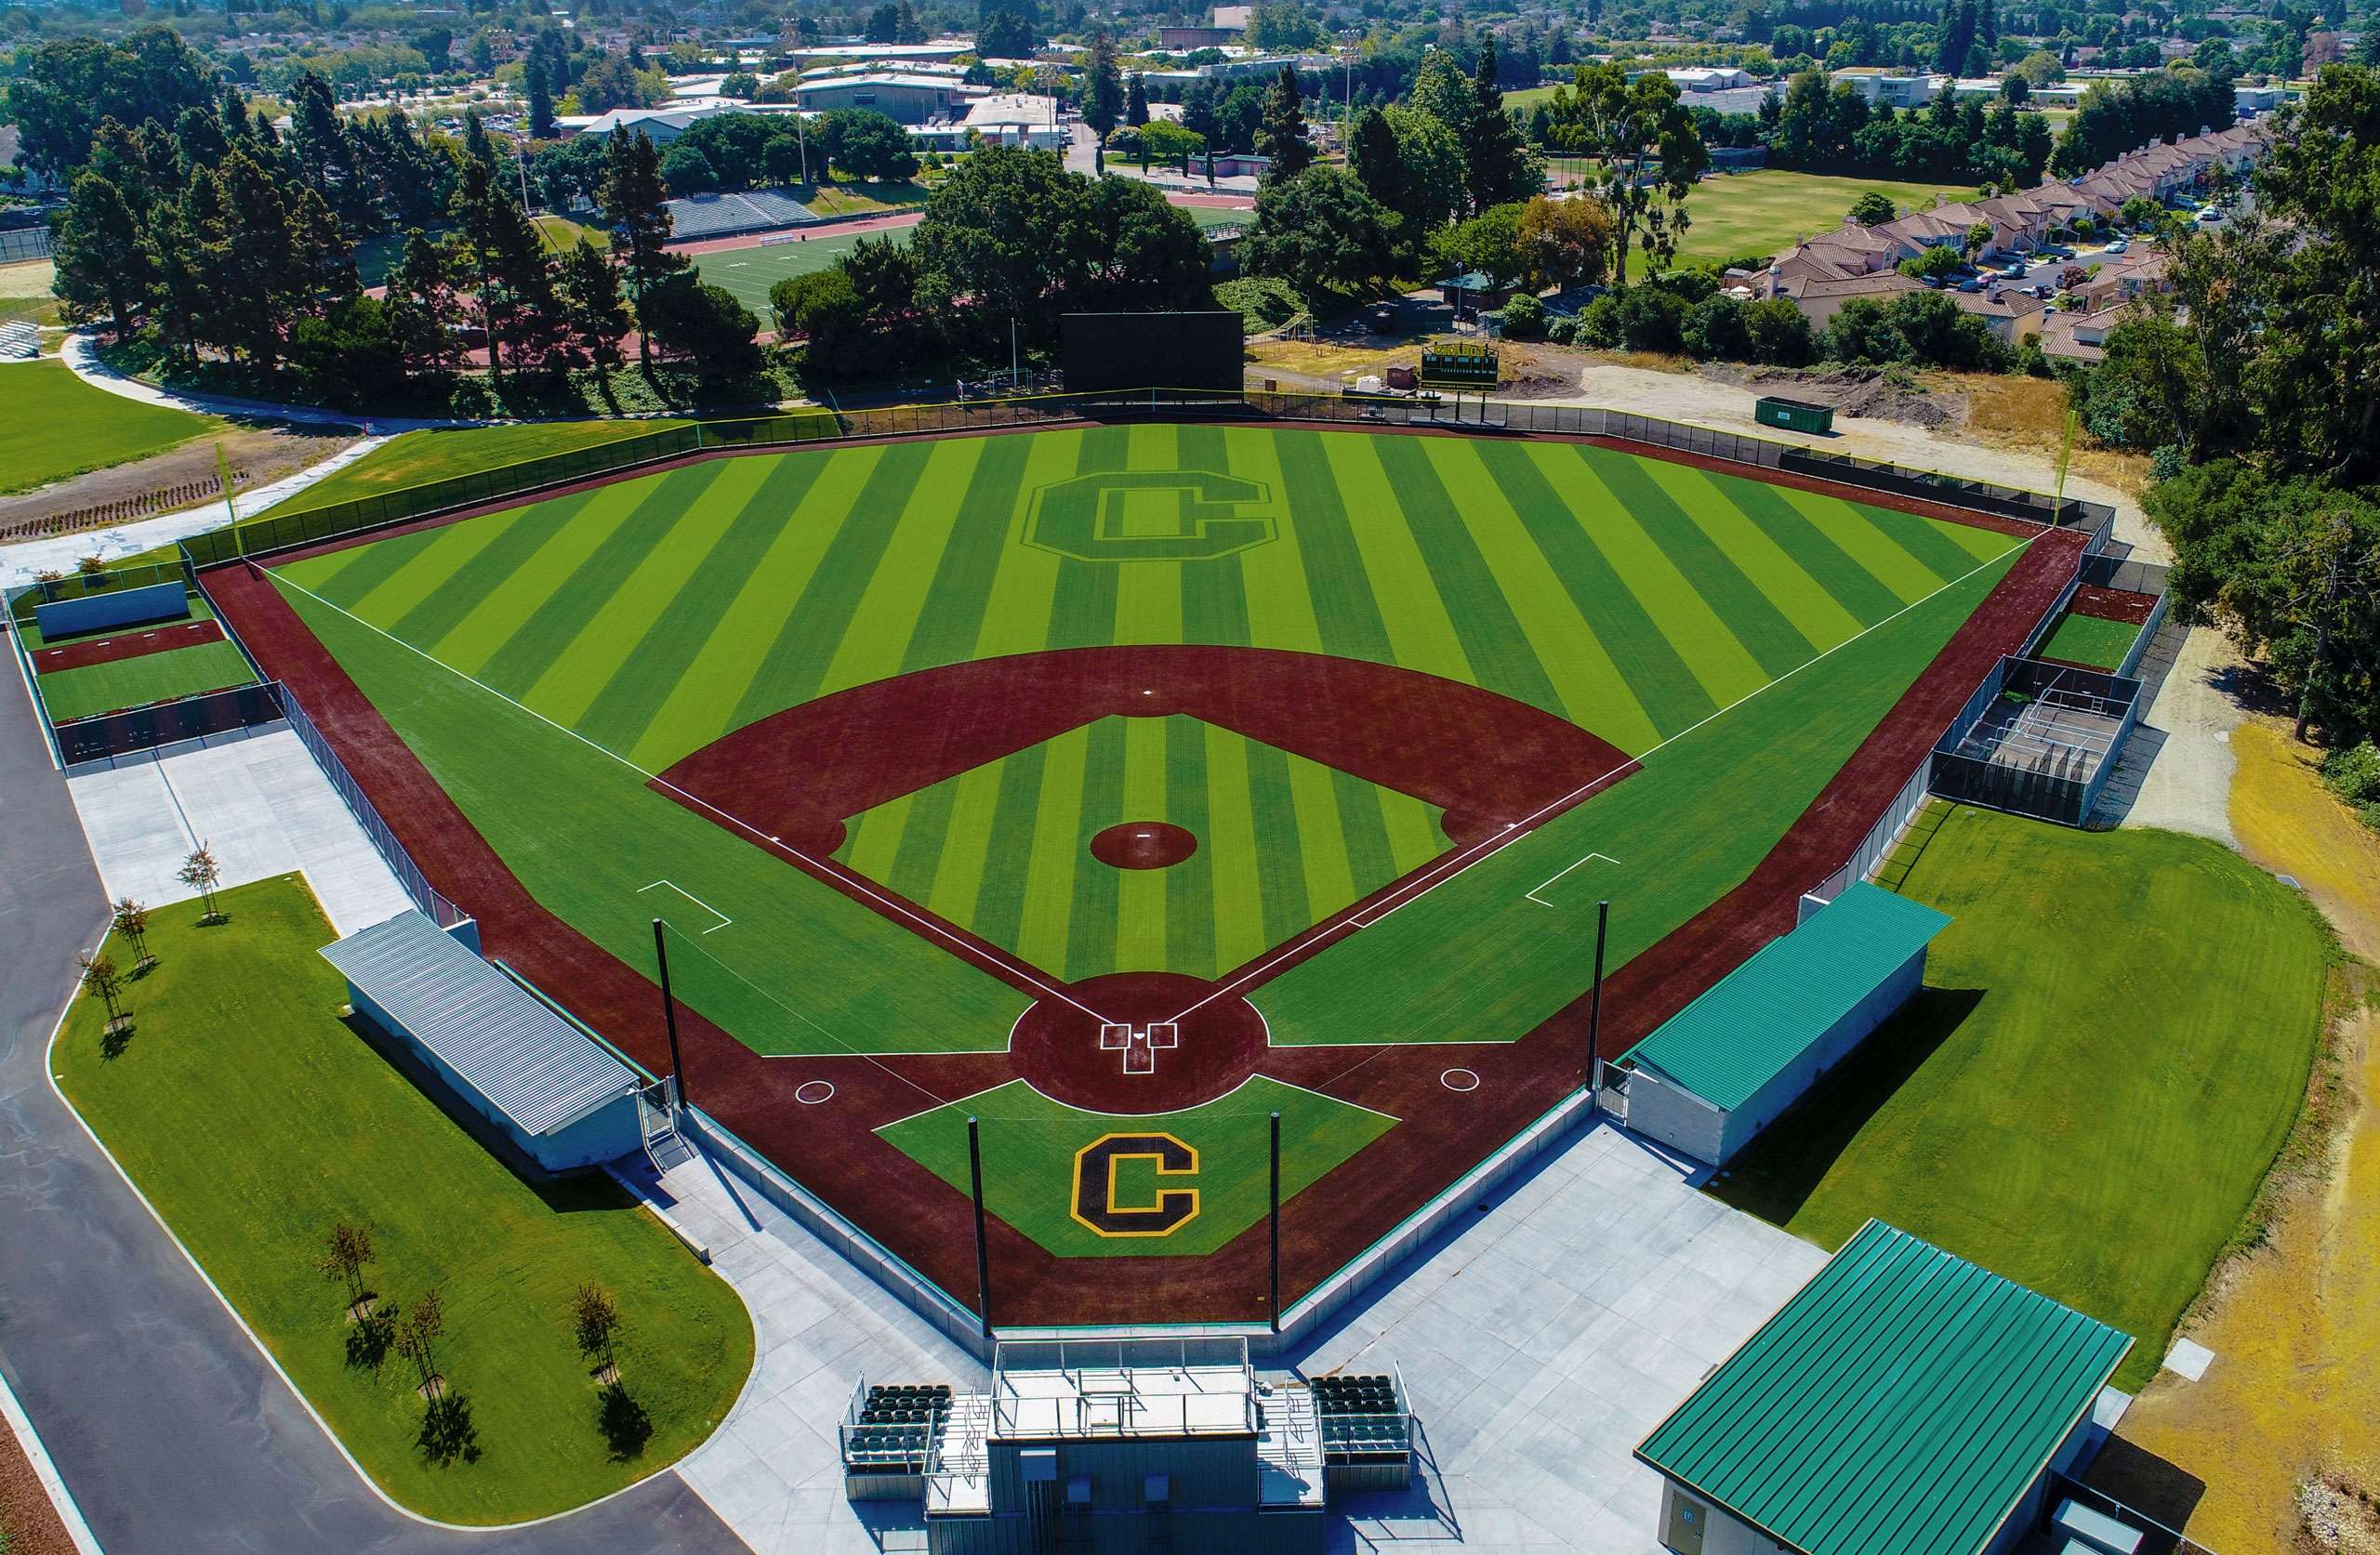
(1143, 844)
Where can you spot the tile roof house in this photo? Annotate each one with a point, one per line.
(2082, 337)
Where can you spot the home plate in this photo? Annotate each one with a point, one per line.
(2191, 1360)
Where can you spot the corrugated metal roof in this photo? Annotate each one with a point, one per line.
(1752, 1022)
(537, 1068)
(1898, 1405)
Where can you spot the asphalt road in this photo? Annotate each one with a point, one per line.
(171, 1431)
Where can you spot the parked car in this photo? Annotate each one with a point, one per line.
(2119, 246)
(2015, 270)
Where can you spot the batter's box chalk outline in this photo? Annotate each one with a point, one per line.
(1165, 1033)
(724, 919)
(1557, 875)
(1114, 1036)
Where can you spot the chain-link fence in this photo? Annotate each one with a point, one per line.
(22, 243)
(106, 736)
(433, 904)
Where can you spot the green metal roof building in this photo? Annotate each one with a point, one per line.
(1904, 1402)
(1721, 1070)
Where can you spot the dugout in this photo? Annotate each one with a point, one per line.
(561, 1096)
(1905, 1402)
(1103, 354)
(1727, 1065)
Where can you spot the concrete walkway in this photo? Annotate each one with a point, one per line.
(83, 357)
(171, 1429)
(259, 803)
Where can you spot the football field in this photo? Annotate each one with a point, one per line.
(947, 762)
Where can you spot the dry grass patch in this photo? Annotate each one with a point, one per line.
(2011, 411)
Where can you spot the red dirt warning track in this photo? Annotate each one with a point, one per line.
(831, 1149)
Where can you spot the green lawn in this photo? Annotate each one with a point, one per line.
(1003, 850)
(59, 426)
(2114, 1042)
(2087, 639)
(1029, 1144)
(649, 618)
(1768, 210)
(252, 1118)
(412, 458)
(104, 688)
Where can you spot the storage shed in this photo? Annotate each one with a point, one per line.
(1721, 1070)
(1905, 1402)
(555, 1091)
(1799, 415)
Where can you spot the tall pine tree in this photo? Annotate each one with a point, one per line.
(635, 207)
(1283, 135)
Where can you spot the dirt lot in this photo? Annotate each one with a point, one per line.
(25, 1512)
(2284, 1416)
(256, 454)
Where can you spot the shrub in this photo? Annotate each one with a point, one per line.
(2353, 773)
(1716, 330)
(1523, 317)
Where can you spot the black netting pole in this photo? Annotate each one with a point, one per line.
(1595, 1000)
(669, 1010)
(983, 1246)
(1275, 1308)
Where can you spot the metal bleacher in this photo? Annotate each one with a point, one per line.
(721, 216)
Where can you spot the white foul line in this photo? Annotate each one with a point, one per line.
(924, 925)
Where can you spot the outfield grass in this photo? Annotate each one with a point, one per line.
(1029, 1144)
(252, 1119)
(104, 688)
(59, 426)
(411, 458)
(1283, 843)
(1768, 210)
(2114, 1042)
(646, 619)
(2088, 640)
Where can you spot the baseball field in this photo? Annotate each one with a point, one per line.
(1122, 786)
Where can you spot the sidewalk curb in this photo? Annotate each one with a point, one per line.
(60, 1498)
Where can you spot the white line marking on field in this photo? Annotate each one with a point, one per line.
(1456, 863)
(1531, 892)
(724, 919)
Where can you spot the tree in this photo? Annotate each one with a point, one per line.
(867, 145)
(130, 920)
(1487, 244)
(1322, 233)
(1102, 101)
(346, 1250)
(2141, 214)
(101, 980)
(1937, 263)
(687, 171)
(1170, 143)
(505, 257)
(1500, 167)
(595, 1325)
(541, 106)
(634, 207)
(907, 27)
(1008, 28)
(991, 232)
(98, 254)
(202, 875)
(1780, 332)
(1564, 243)
(1650, 150)
(1136, 101)
(63, 89)
(1716, 330)
(420, 299)
(418, 1335)
(1523, 317)
(1283, 136)
(689, 318)
(822, 309)
(884, 23)
(1372, 157)
(1873, 208)
(595, 311)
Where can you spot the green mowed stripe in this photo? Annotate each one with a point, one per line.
(624, 710)
(1398, 571)
(959, 879)
(814, 628)
(1493, 642)
(999, 912)
(1817, 618)
(1190, 905)
(1030, 1142)
(136, 682)
(887, 616)
(1863, 595)
(1563, 522)
(602, 650)
(434, 566)
(509, 546)
(522, 662)
(1944, 550)
(1049, 881)
(1083, 614)
(1688, 826)
(1241, 909)
(1098, 896)
(802, 969)
(961, 590)
(1751, 616)
(1347, 613)
(493, 620)
(1141, 893)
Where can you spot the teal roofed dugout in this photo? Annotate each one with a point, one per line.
(1721, 1070)
(1904, 1402)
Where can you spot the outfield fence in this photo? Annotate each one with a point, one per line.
(433, 904)
(107, 737)
(277, 532)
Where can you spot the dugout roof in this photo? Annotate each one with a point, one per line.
(1902, 1404)
(536, 1069)
(1752, 1024)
